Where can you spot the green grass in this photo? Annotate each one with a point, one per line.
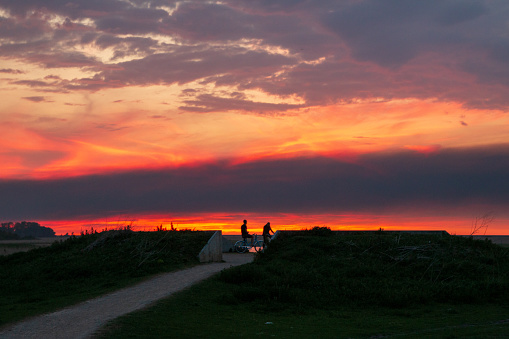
(84, 267)
(317, 284)
(200, 313)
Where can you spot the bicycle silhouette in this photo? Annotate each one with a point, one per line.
(243, 246)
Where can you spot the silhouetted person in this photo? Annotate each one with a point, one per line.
(266, 233)
(245, 233)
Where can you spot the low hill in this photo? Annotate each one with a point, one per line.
(83, 267)
(319, 268)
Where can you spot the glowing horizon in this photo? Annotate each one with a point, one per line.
(229, 224)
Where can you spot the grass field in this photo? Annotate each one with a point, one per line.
(324, 285)
(80, 268)
(199, 313)
(8, 247)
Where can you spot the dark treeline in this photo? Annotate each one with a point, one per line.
(24, 229)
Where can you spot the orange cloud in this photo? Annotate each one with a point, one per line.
(130, 139)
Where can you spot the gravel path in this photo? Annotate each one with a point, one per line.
(82, 320)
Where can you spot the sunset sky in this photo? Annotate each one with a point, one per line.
(354, 114)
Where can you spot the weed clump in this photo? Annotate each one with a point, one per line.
(320, 231)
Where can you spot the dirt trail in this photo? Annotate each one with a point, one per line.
(82, 320)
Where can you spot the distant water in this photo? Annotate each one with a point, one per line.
(496, 239)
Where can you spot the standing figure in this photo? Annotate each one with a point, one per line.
(266, 234)
(245, 233)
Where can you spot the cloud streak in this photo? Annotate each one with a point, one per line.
(448, 181)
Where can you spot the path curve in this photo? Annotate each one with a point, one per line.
(82, 320)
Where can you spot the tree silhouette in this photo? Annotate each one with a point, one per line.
(27, 229)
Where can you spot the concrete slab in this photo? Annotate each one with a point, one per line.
(213, 250)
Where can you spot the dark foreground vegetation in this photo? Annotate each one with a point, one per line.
(80, 268)
(341, 285)
(390, 270)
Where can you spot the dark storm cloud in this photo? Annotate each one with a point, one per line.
(207, 21)
(29, 29)
(132, 21)
(456, 12)
(75, 9)
(459, 36)
(446, 180)
(393, 32)
(201, 21)
(334, 51)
